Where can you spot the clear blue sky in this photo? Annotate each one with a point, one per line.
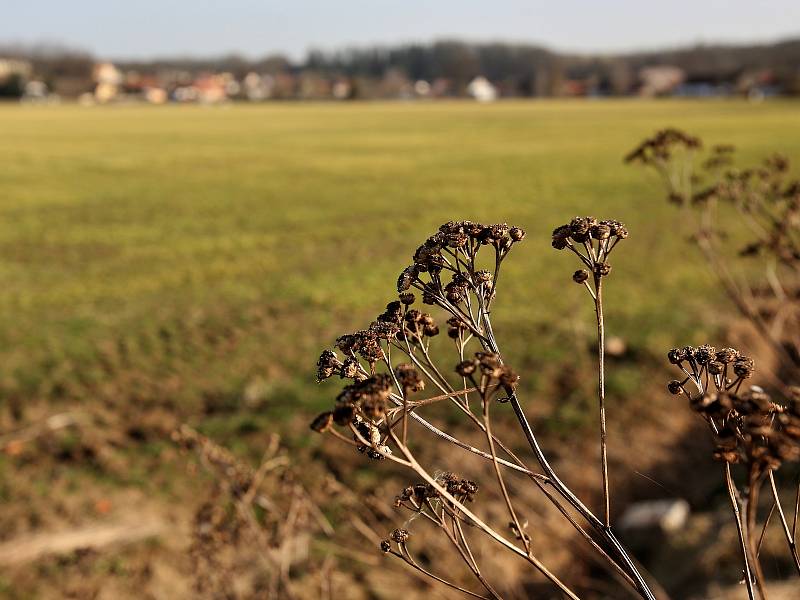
(146, 28)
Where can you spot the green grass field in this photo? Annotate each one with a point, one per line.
(204, 255)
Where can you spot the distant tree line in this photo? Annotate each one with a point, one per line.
(519, 69)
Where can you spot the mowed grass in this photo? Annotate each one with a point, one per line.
(203, 256)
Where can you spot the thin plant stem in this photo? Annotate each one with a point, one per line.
(406, 557)
(748, 576)
(764, 529)
(412, 462)
(601, 369)
(787, 534)
(751, 513)
(564, 491)
(500, 481)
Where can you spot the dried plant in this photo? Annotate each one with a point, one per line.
(761, 206)
(748, 429)
(396, 358)
(266, 508)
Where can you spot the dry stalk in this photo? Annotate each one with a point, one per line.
(373, 413)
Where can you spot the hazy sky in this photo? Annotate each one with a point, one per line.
(145, 28)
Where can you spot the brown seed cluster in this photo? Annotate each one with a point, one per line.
(447, 273)
(747, 425)
(766, 195)
(418, 496)
(660, 147)
(362, 406)
(440, 252)
(486, 371)
(592, 242)
(409, 378)
(399, 537)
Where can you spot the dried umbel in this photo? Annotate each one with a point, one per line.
(391, 363)
(723, 202)
(425, 498)
(663, 146)
(445, 271)
(488, 374)
(592, 242)
(748, 428)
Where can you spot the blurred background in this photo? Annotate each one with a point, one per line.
(198, 197)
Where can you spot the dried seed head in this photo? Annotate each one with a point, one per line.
(744, 367)
(344, 413)
(327, 365)
(407, 298)
(350, 369)
(384, 330)
(386, 546)
(429, 294)
(347, 343)
(373, 407)
(601, 231)
(407, 277)
(705, 354)
(579, 228)
(580, 276)
(716, 367)
(322, 422)
(483, 276)
(467, 367)
(727, 355)
(370, 395)
(676, 356)
(456, 240)
(392, 314)
(400, 536)
(504, 244)
(454, 293)
(409, 378)
(561, 237)
(602, 269)
(456, 327)
(675, 388)
(517, 234)
(616, 228)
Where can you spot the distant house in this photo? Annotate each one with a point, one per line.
(482, 90)
(13, 76)
(422, 88)
(108, 80)
(758, 84)
(578, 88)
(258, 87)
(12, 66)
(209, 89)
(660, 80)
(342, 89)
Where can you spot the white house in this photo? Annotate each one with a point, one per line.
(482, 90)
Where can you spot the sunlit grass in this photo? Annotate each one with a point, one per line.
(252, 234)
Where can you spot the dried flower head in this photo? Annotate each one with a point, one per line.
(400, 536)
(747, 426)
(409, 378)
(580, 276)
(327, 365)
(322, 422)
